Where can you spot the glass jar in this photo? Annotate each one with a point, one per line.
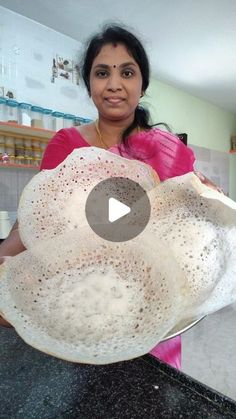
(5, 158)
(10, 151)
(38, 153)
(68, 120)
(35, 143)
(29, 155)
(3, 102)
(12, 111)
(82, 121)
(25, 114)
(20, 159)
(5, 224)
(2, 147)
(77, 121)
(43, 146)
(27, 142)
(37, 156)
(2, 141)
(57, 120)
(10, 141)
(19, 147)
(87, 120)
(36, 117)
(47, 119)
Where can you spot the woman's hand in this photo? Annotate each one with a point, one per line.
(4, 258)
(208, 182)
(3, 322)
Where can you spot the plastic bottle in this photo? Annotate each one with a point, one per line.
(37, 117)
(3, 109)
(68, 120)
(25, 114)
(12, 111)
(57, 120)
(47, 119)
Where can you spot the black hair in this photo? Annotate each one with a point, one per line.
(113, 34)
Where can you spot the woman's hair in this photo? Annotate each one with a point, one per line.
(113, 34)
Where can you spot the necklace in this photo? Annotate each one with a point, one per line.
(100, 135)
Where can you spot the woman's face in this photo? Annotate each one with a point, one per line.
(115, 82)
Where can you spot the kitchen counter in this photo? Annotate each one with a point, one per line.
(35, 385)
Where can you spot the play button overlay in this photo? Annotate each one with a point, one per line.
(118, 209)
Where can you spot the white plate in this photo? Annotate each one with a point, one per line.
(181, 328)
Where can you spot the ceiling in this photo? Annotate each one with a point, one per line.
(191, 43)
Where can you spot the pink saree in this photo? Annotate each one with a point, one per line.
(169, 157)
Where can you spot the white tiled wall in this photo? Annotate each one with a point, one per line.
(27, 49)
(12, 182)
(213, 164)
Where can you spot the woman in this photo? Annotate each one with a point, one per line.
(116, 74)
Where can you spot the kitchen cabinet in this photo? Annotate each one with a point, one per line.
(36, 135)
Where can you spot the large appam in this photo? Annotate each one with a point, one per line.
(84, 299)
(54, 201)
(81, 298)
(198, 224)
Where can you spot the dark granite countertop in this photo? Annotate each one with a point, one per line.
(37, 386)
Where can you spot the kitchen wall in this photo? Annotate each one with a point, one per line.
(206, 125)
(27, 50)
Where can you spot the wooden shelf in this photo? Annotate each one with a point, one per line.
(19, 166)
(22, 131)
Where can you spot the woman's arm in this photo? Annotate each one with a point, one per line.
(208, 182)
(11, 246)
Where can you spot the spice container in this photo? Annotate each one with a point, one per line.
(2, 143)
(36, 117)
(19, 147)
(68, 120)
(57, 120)
(77, 121)
(3, 109)
(35, 143)
(82, 121)
(20, 159)
(28, 151)
(10, 141)
(12, 111)
(37, 156)
(10, 152)
(10, 148)
(5, 158)
(25, 114)
(2, 147)
(233, 143)
(5, 225)
(42, 147)
(12, 157)
(47, 119)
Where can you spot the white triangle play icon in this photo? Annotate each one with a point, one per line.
(116, 209)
